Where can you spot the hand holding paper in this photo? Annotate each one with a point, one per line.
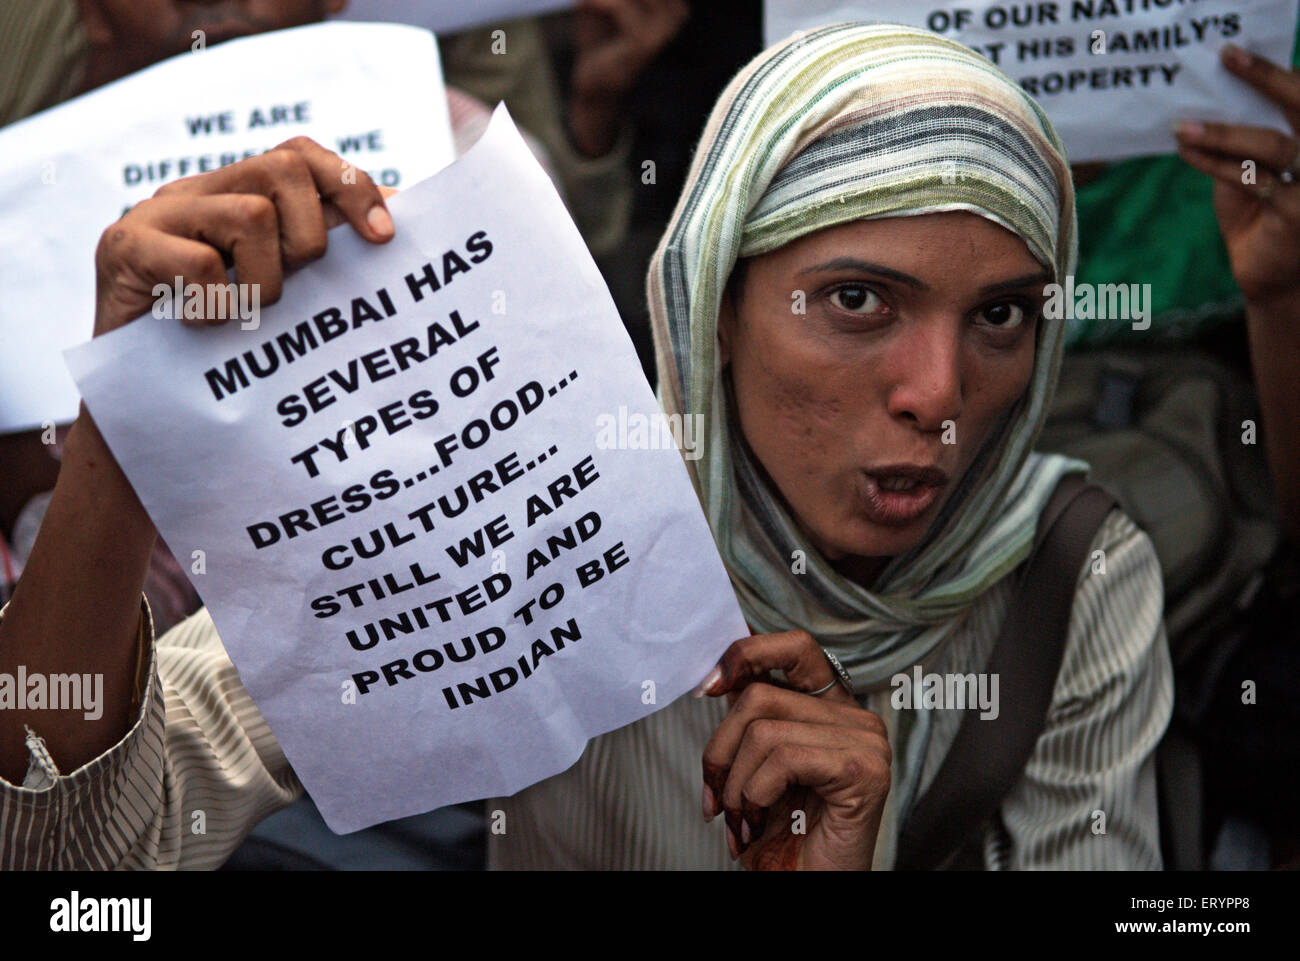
(1256, 169)
(267, 214)
(437, 568)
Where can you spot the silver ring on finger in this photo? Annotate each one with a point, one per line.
(823, 690)
(841, 675)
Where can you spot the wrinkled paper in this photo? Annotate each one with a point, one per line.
(442, 527)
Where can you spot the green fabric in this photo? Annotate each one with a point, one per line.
(1151, 220)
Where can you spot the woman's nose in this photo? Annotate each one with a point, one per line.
(925, 366)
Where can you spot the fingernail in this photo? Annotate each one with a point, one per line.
(745, 835)
(709, 808)
(379, 221)
(753, 817)
(1236, 57)
(714, 677)
(732, 846)
(733, 826)
(1191, 131)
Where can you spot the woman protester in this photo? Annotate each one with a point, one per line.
(849, 295)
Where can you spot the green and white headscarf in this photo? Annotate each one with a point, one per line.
(843, 123)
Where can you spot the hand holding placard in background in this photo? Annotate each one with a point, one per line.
(1113, 75)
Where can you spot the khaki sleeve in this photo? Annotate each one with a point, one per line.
(42, 56)
(1087, 800)
(597, 190)
(196, 771)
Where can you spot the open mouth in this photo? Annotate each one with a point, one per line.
(898, 495)
(896, 484)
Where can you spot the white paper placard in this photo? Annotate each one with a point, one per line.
(437, 478)
(449, 16)
(1113, 75)
(371, 92)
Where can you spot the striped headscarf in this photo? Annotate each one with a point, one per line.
(836, 124)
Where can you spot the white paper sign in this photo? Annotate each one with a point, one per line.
(1113, 75)
(449, 16)
(371, 92)
(438, 541)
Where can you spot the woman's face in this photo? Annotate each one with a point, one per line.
(875, 355)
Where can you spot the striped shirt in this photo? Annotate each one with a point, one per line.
(200, 755)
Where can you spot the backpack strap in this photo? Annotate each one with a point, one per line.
(988, 757)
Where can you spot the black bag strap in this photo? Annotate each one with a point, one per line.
(988, 757)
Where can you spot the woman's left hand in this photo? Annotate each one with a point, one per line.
(802, 778)
(1258, 210)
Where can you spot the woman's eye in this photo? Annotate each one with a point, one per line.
(1004, 316)
(856, 299)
